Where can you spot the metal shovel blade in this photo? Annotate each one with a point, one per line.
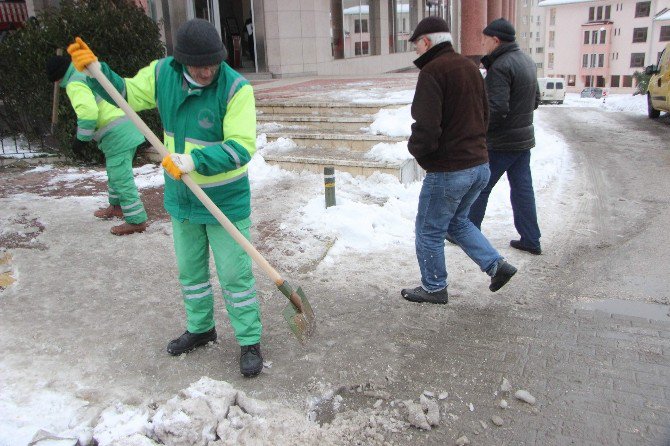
(302, 323)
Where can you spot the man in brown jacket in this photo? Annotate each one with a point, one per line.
(448, 140)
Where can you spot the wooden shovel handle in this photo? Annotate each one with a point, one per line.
(95, 72)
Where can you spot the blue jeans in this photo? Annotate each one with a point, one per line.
(522, 196)
(444, 203)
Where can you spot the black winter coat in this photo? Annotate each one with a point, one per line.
(511, 84)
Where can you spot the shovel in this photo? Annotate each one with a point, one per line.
(298, 313)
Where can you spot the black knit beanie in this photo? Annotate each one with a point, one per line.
(56, 67)
(501, 29)
(199, 44)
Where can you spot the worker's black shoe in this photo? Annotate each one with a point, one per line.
(418, 294)
(516, 244)
(251, 361)
(189, 341)
(504, 272)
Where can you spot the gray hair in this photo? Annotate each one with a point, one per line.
(437, 38)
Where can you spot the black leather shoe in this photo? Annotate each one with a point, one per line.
(189, 341)
(418, 294)
(516, 244)
(504, 272)
(251, 361)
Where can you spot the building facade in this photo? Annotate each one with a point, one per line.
(323, 37)
(530, 31)
(603, 43)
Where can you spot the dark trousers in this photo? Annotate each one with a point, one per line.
(522, 196)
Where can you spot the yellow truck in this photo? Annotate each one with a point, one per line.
(658, 91)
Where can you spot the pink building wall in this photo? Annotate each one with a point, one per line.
(568, 48)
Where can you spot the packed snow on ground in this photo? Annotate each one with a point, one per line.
(612, 103)
(371, 214)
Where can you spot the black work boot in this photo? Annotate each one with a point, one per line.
(189, 341)
(251, 361)
(418, 294)
(504, 272)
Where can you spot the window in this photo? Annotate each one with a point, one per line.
(401, 21)
(608, 10)
(601, 60)
(599, 13)
(539, 65)
(642, 9)
(552, 16)
(550, 86)
(614, 82)
(572, 79)
(585, 60)
(586, 37)
(358, 28)
(361, 48)
(600, 81)
(550, 60)
(552, 36)
(592, 13)
(627, 81)
(639, 35)
(539, 50)
(524, 20)
(594, 37)
(603, 37)
(559, 85)
(665, 33)
(637, 60)
(530, 51)
(593, 61)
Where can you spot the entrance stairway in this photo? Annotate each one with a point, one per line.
(329, 134)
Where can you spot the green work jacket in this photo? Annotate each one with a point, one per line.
(98, 119)
(215, 124)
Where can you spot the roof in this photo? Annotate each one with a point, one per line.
(663, 15)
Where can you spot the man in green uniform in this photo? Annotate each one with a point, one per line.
(117, 137)
(208, 113)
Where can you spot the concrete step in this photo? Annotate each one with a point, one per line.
(353, 162)
(332, 123)
(359, 142)
(320, 108)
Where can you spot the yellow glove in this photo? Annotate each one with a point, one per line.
(81, 54)
(178, 164)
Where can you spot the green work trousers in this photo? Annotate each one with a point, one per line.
(122, 188)
(233, 266)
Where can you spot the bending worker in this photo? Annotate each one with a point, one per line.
(209, 117)
(116, 136)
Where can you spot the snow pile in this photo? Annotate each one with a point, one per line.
(149, 176)
(393, 122)
(281, 145)
(613, 103)
(369, 93)
(390, 153)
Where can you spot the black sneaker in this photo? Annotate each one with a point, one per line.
(516, 244)
(504, 272)
(418, 294)
(251, 361)
(189, 341)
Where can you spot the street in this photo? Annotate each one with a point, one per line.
(90, 314)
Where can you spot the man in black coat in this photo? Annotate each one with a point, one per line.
(513, 95)
(448, 140)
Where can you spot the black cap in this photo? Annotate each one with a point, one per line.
(56, 67)
(429, 25)
(199, 44)
(501, 29)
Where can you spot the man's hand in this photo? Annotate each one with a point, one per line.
(81, 54)
(177, 164)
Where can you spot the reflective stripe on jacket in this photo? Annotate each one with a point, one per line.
(215, 124)
(98, 119)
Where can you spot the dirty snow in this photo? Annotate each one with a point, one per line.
(371, 214)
